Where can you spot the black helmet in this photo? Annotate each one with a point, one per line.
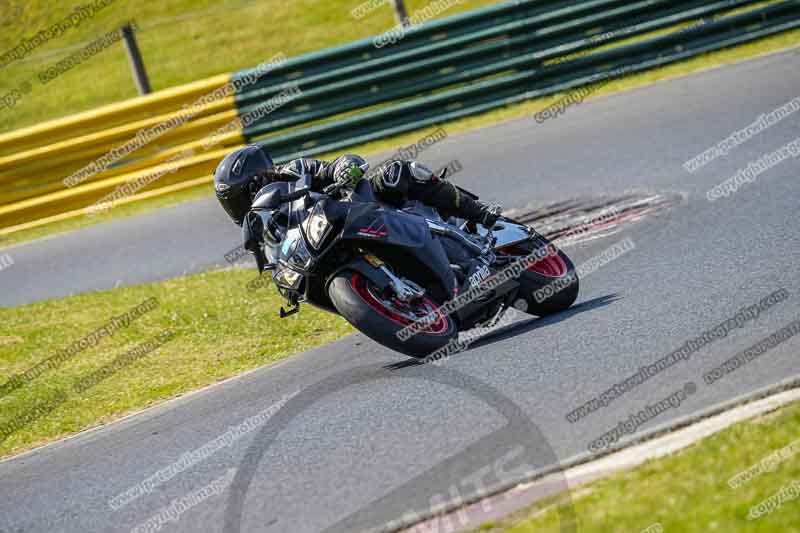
(238, 178)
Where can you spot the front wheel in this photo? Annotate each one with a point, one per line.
(381, 316)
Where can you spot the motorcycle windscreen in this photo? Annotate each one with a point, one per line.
(374, 223)
(264, 192)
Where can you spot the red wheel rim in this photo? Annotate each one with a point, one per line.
(399, 312)
(551, 266)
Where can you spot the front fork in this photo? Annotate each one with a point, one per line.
(405, 290)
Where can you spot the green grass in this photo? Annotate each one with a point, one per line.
(181, 41)
(221, 329)
(688, 491)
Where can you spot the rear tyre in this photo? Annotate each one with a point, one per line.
(551, 284)
(381, 317)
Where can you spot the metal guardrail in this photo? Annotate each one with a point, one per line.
(526, 77)
(519, 45)
(441, 70)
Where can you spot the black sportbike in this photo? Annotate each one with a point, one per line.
(404, 277)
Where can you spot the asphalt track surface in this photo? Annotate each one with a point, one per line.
(366, 440)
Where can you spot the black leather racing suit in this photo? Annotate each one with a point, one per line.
(395, 182)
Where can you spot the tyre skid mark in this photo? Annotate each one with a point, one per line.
(579, 220)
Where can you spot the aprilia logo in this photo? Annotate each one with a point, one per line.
(481, 274)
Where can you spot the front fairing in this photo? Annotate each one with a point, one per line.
(363, 221)
(289, 253)
(373, 222)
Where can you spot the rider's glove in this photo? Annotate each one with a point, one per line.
(490, 214)
(348, 170)
(348, 176)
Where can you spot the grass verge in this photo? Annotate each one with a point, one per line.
(220, 330)
(180, 40)
(689, 491)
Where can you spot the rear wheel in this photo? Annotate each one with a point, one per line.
(381, 316)
(551, 284)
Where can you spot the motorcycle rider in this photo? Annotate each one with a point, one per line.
(243, 172)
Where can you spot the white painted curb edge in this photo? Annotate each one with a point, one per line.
(585, 467)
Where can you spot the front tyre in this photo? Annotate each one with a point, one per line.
(380, 316)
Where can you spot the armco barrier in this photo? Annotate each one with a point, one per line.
(526, 77)
(441, 70)
(464, 58)
(108, 116)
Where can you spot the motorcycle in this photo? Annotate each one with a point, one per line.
(402, 276)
